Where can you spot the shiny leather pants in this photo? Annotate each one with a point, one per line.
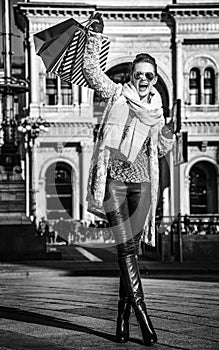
(126, 206)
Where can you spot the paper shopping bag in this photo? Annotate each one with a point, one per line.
(69, 68)
(51, 43)
(61, 48)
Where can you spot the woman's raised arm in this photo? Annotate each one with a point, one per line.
(97, 79)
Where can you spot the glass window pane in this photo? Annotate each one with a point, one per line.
(209, 86)
(51, 89)
(195, 86)
(66, 91)
(59, 190)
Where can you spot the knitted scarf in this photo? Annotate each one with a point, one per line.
(129, 122)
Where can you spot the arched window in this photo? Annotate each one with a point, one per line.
(203, 188)
(59, 191)
(66, 92)
(51, 89)
(198, 191)
(209, 86)
(195, 86)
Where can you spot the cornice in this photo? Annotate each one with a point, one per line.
(81, 11)
(38, 9)
(193, 11)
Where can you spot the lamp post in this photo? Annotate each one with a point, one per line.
(9, 87)
(31, 129)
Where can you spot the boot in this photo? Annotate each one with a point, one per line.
(124, 309)
(131, 278)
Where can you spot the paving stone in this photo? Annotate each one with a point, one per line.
(54, 312)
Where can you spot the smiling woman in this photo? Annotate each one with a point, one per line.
(144, 74)
(124, 175)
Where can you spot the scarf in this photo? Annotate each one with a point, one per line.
(129, 122)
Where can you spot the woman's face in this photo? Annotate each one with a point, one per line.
(143, 78)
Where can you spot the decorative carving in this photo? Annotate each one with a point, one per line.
(60, 147)
(71, 129)
(198, 27)
(204, 146)
(138, 46)
(194, 13)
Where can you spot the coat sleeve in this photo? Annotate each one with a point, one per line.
(164, 144)
(97, 79)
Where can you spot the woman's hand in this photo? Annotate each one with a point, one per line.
(167, 130)
(97, 23)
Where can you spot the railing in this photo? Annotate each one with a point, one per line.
(80, 232)
(174, 232)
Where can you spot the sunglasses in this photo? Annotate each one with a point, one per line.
(140, 75)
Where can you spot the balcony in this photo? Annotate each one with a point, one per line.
(201, 122)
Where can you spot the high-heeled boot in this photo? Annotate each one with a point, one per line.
(124, 309)
(131, 278)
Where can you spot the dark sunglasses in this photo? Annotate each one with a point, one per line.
(148, 75)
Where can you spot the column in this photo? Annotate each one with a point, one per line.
(59, 91)
(186, 196)
(179, 69)
(85, 157)
(202, 85)
(179, 95)
(83, 95)
(35, 166)
(217, 88)
(27, 176)
(218, 193)
(75, 89)
(34, 74)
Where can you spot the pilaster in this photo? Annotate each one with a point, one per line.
(179, 69)
(85, 157)
(34, 74)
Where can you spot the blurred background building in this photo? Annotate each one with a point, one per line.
(183, 36)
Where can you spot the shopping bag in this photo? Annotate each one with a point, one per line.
(69, 67)
(51, 43)
(61, 48)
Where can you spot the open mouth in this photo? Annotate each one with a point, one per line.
(143, 87)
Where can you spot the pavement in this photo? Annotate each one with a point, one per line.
(77, 261)
(72, 305)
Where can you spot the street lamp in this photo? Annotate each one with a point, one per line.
(31, 128)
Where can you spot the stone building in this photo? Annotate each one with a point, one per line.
(183, 36)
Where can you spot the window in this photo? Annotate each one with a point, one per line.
(209, 86)
(198, 192)
(59, 191)
(51, 89)
(66, 91)
(195, 86)
(203, 188)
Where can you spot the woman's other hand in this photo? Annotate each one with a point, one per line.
(167, 130)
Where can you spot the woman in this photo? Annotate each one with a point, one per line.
(123, 182)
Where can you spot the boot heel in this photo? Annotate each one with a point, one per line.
(145, 324)
(122, 326)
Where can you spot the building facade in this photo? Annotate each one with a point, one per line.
(183, 36)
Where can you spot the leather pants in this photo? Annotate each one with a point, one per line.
(126, 206)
